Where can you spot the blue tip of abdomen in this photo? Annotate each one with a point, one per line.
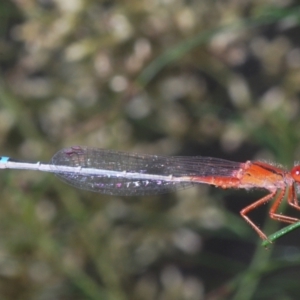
(4, 159)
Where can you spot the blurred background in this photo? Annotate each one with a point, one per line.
(169, 77)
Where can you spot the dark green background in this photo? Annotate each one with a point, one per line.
(172, 77)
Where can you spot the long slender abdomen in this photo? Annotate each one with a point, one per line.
(222, 182)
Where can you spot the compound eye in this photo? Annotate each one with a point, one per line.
(296, 173)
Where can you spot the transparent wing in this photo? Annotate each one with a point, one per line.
(127, 174)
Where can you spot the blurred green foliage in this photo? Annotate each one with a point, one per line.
(174, 77)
